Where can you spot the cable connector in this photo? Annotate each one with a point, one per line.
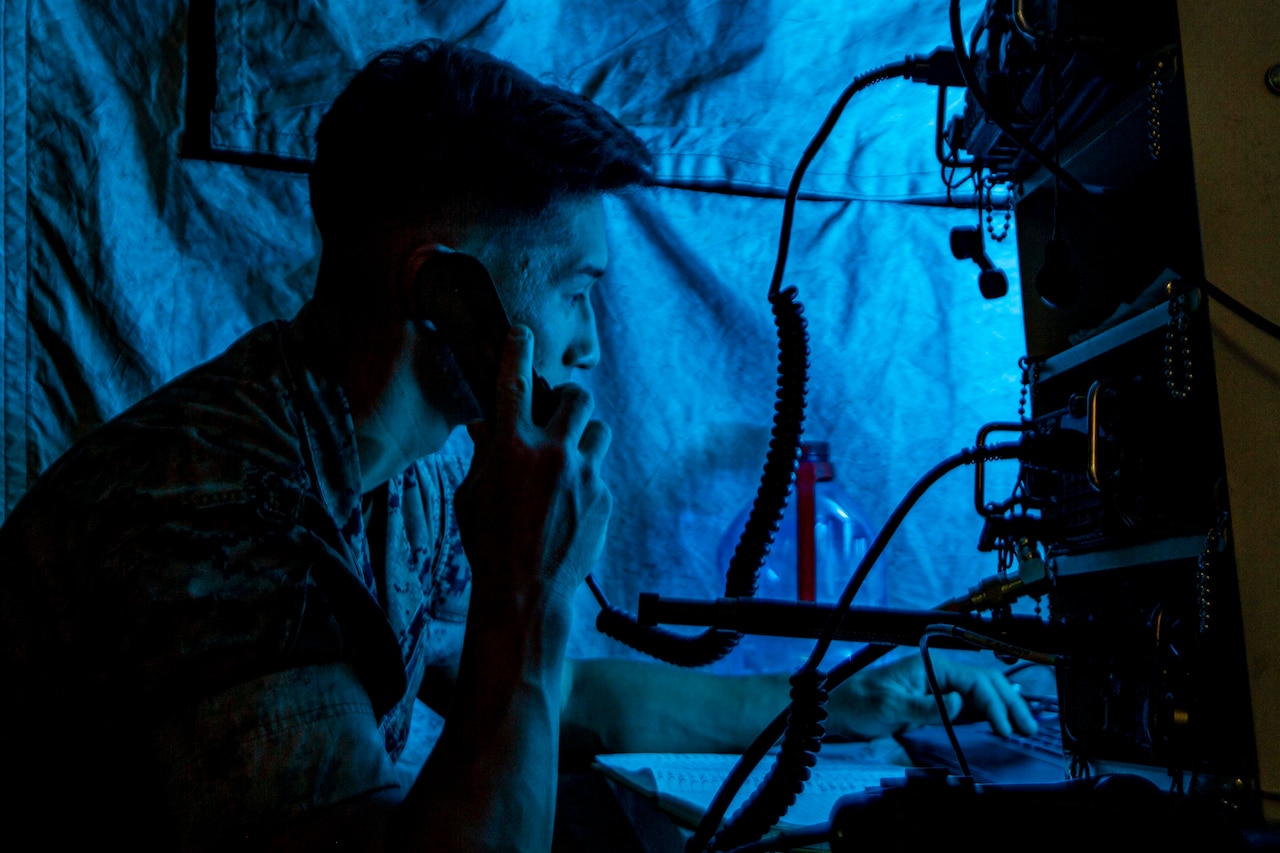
(987, 594)
(939, 68)
(1000, 590)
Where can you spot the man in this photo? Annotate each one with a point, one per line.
(219, 608)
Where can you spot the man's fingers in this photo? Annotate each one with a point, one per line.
(1019, 711)
(1003, 706)
(573, 412)
(987, 700)
(922, 709)
(515, 378)
(991, 695)
(595, 442)
(954, 704)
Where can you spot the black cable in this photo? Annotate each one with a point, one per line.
(786, 779)
(784, 445)
(1240, 309)
(952, 161)
(970, 80)
(678, 649)
(993, 644)
(766, 512)
(936, 689)
(760, 747)
(596, 591)
(1005, 450)
(862, 81)
(965, 61)
(980, 641)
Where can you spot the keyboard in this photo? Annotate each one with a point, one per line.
(992, 758)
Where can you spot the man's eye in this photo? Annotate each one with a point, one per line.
(575, 299)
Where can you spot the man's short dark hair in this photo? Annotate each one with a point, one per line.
(435, 127)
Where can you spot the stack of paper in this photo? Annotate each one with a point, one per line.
(685, 784)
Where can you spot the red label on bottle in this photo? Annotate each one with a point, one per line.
(806, 547)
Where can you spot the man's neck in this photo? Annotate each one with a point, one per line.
(377, 361)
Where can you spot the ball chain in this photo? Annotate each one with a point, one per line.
(1177, 348)
(1155, 100)
(1204, 574)
(990, 183)
(1030, 376)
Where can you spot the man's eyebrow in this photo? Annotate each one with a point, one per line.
(590, 269)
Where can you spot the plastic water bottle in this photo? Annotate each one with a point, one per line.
(822, 539)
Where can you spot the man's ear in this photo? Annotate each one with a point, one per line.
(427, 266)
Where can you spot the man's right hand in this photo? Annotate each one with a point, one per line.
(533, 509)
(532, 512)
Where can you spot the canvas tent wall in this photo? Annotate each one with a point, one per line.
(155, 207)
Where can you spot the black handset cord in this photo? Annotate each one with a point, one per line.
(784, 445)
(766, 512)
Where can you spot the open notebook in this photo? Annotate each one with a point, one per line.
(685, 784)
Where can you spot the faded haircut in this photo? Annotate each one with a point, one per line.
(435, 130)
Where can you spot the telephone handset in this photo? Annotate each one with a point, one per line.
(462, 305)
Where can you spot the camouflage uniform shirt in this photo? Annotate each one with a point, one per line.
(201, 571)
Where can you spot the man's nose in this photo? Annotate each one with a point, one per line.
(583, 352)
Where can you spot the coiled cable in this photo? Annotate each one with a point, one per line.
(766, 511)
(799, 752)
(784, 444)
(777, 793)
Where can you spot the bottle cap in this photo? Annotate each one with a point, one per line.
(818, 453)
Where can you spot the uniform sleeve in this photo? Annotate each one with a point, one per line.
(268, 751)
(185, 621)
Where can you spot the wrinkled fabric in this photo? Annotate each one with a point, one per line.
(126, 263)
(722, 92)
(200, 566)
